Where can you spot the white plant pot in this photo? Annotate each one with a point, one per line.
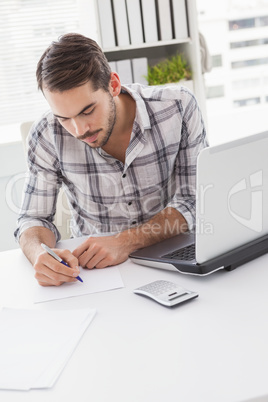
(188, 84)
(184, 83)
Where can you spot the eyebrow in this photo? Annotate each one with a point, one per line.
(85, 108)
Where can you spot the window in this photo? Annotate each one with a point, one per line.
(249, 63)
(248, 23)
(216, 60)
(262, 21)
(248, 43)
(248, 83)
(247, 102)
(241, 24)
(27, 27)
(216, 91)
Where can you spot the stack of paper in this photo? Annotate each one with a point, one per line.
(36, 345)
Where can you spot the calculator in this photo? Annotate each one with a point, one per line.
(166, 293)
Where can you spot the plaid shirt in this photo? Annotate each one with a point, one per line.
(104, 194)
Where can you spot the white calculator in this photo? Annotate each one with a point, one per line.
(166, 293)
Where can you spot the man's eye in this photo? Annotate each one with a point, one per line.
(88, 113)
(62, 120)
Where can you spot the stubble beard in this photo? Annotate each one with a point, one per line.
(111, 122)
(110, 126)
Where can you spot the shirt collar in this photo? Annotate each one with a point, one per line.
(142, 117)
(141, 122)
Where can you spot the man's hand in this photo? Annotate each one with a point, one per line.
(49, 271)
(101, 252)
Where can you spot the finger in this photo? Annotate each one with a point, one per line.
(81, 249)
(88, 254)
(68, 257)
(94, 261)
(56, 266)
(48, 278)
(55, 274)
(54, 269)
(45, 281)
(106, 262)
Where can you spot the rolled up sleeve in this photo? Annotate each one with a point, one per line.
(193, 140)
(42, 184)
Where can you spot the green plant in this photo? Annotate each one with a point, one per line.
(172, 69)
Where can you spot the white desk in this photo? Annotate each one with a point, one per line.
(213, 348)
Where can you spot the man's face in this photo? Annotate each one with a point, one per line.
(86, 114)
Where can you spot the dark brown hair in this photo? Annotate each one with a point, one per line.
(71, 62)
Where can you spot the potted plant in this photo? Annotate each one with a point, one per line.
(172, 70)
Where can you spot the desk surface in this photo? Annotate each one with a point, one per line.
(213, 348)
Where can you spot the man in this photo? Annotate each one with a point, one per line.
(125, 154)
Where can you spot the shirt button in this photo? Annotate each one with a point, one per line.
(124, 175)
(134, 222)
(130, 203)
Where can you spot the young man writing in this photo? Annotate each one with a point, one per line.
(125, 154)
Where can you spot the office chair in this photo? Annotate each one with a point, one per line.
(63, 215)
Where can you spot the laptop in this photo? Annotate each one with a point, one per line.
(231, 212)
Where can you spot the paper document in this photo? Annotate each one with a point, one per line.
(36, 345)
(95, 280)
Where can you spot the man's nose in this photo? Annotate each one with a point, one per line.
(80, 127)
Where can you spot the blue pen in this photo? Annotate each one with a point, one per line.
(54, 255)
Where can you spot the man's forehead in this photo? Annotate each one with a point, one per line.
(71, 103)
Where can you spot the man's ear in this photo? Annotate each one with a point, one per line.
(115, 84)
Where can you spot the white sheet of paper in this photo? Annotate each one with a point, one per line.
(48, 378)
(36, 345)
(95, 280)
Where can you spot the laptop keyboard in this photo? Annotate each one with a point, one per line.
(185, 254)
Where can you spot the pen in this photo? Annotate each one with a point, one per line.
(54, 255)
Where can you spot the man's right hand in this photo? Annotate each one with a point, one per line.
(50, 272)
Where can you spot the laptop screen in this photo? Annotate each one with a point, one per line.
(232, 190)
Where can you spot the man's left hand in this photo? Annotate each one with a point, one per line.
(101, 252)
